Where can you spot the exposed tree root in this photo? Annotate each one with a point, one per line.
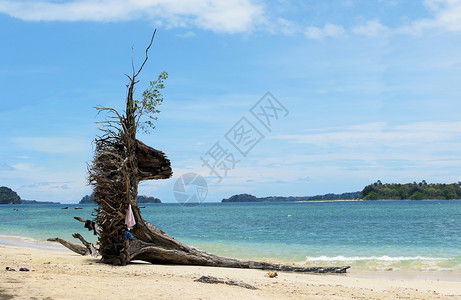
(120, 162)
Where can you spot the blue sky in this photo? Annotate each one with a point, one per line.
(371, 88)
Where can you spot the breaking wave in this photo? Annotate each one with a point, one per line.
(375, 258)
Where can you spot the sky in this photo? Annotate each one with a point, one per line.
(267, 97)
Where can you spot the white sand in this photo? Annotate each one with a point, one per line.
(65, 275)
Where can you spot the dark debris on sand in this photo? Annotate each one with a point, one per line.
(211, 279)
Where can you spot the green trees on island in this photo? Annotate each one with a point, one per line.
(8, 196)
(330, 196)
(89, 199)
(375, 191)
(411, 191)
(242, 198)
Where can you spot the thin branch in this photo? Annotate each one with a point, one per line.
(115, 112)
(147, 50)
(128, 77)
(132, 61)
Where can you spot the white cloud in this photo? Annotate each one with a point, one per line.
(216, 15)
(371, 28)
(34, 182)
(186, 34)
(284, 26)
(230, 16)
(420, 144)
(424, 134)
(329, 30)
(352, 156)
(424, 150)
(53, 145)
(447, 16)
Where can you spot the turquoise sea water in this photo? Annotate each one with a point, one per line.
(373, 235)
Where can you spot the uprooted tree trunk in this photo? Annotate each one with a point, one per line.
(87, 249)
(120, 163)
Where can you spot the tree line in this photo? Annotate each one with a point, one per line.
(330, 196)
(8, 196)
(411, 191)
(89, 199)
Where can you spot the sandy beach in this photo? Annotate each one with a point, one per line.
(65, 275)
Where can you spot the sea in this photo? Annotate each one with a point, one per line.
(367, 235)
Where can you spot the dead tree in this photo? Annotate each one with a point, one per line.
(120, 163)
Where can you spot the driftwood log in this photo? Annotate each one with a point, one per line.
(79, 249)
(87, 249)
(164, 249)
(215, 280)
(120, 162)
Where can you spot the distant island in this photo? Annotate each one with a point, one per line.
(374, 191)
(38, 202)
(411, 191)
(89, 199)
(330, 196)
(8, 196)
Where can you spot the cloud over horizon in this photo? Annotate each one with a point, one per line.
(447, 16)
(370, 133)
(52, 145)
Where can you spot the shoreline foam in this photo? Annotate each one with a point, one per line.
(383, 263)
(27, 242)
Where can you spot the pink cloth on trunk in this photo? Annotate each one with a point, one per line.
(129, 217)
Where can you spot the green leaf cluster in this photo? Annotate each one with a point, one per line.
(411, 191)
(147, 106)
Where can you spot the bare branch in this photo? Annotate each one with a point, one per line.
(118, 117)
(147, 51)
(132, 61)
(128, 77)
